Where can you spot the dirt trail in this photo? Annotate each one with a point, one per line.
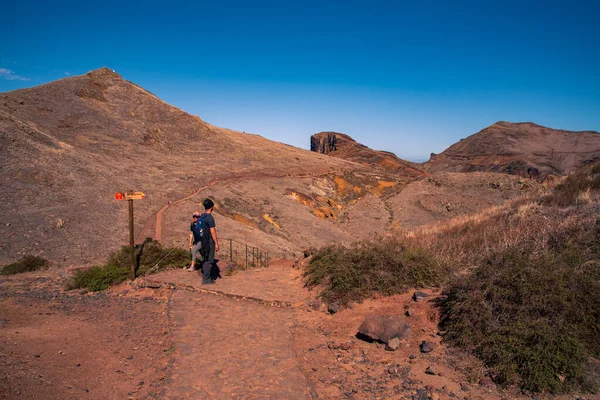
(228, 342)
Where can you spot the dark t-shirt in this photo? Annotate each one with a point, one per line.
(209, 222)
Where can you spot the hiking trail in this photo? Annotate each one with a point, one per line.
(235, 339)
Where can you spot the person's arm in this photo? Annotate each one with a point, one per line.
(213, 233)
(191, 239)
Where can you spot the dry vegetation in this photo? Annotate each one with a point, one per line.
(118, 266)
(522, 282)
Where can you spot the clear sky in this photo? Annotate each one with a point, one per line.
(411, 77)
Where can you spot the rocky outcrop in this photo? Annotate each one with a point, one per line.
(323, 143)
(343, 146)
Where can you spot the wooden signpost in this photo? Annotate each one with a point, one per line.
(130, 196)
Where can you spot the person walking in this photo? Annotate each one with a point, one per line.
(195, 238)
(210, 244)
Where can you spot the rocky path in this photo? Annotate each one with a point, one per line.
(234, 339)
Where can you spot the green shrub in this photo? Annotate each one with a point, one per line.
(25, 264)
(118, 267)
(533, 319)
(349, 274)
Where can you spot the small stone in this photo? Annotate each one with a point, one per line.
(333, 308)
(412, 357)
(430, 371)
(140, 383)
(419, 296)
(346, 345)
(7, 224)
(78, 365)
(36, 355)
(393, 344)
(409, 313)
(130, 357)
(426, 346)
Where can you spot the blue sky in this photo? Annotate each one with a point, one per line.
(407, 77)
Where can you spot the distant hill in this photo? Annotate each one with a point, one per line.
(343, 146)
(524, 149)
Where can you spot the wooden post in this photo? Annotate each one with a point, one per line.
(131, 241)
(246, 256)
(230, 251)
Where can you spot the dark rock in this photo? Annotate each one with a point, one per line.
(36, 355)
(324, 144)
(419, 296)
(333, 308)
(383, 328)
(409, 312)
(430, 371)
(412, 357)
(426, 346)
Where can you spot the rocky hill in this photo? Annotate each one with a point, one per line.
(67, 146)
(524, 149)
(343, 146)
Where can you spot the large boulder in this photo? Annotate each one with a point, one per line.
(383, 328)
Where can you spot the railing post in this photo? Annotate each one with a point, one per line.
(230, 251)
(246, 256)
(253, 259)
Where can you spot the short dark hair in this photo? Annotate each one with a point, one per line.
(208, 204)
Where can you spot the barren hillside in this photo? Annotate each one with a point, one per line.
(67, 146)
(524, 149)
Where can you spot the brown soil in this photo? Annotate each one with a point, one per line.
(57, 345)
(256, 334)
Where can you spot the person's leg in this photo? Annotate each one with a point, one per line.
(195, 251)
(207, 265)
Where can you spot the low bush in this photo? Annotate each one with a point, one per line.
(533, 319)
(25, 264)
(118, 267)
(386, 267)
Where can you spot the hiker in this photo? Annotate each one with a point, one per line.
(210, 244)
(195, 238)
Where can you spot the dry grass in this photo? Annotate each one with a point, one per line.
(522, 280)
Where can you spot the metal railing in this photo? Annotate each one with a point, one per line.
(244, 255)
